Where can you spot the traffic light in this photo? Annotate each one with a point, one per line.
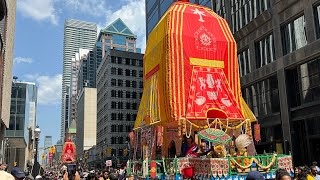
(14, 164)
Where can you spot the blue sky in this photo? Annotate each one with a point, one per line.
(39, 45)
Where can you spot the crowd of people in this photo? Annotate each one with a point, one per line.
(64, 174)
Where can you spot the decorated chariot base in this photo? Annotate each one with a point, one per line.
(209, 168)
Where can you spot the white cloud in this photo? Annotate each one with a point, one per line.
(49, 88)
(38, 9)
(90, 7)
(133, 15)
(19, 60)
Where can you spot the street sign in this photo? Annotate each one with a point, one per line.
(108, 163)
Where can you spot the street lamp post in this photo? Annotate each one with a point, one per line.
(36, 164)
(6, 151)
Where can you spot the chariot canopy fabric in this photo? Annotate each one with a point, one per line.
(191, 69)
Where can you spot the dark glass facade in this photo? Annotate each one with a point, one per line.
(293, 35)
(264, 49)
(156, 8)
(281, 86)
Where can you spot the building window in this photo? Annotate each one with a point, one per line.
(140, 95)
(120, 94)
(140, 63)
(120, 82)
(306, 86)
(113, 82)
(131, 44)
(113, 105)
(128, 128)
(244, 11)
(128, 105)
(127, 61)
(120, 105)
(113, 93)
(113, 116)
(133, 62)
(113, 140)
(127, 94)
(244, 62)
(140, 73)
(150, 4)
(141, 84)
(134, 106)
(134, 116)
(120, 116)
(164, 5)
(134, 84)
(293, 35)
(317, 20)
(128, 117)
(134, 73)
(263, 97)
(119, 60)
(113, 128)
(120, 71)
(134, 95)
(120, 128)
(127, 72)
(113, 59)
(265, 51)
(120, 141)
(152, 20)
(128, 83)
(220, 8)
(113, 70)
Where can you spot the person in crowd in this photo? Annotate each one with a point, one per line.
(106, 175)
(3, 167)
(254, 175)
(314, 173)
(203, 151)
(192, 148)
(18, 174)
(122, 173)
(302, 173)
(4, 174)
(315, 164)
(308, 172)
(184, 146)
(282, 174)
(296, 173)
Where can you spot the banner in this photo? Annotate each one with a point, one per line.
(68, 152)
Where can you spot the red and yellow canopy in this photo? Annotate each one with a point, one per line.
(191, 69)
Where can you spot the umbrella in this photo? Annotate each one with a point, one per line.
(215, 135)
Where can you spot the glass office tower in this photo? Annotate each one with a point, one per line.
(156, 8)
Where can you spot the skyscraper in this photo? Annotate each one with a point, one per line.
(119, 89)
(79, 57)
(156, 8)
(77, 34)
(22, 123)
(47, 145)
(7, 28)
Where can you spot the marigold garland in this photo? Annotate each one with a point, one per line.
(274, 158)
